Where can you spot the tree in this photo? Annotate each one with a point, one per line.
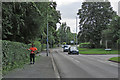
(27, 22)
(94, 17)
(65, 34)
(112, 33)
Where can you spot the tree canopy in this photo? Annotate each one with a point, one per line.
(94, 18)
(27, 21)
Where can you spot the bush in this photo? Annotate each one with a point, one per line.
(38, 45)
(14, 55)
(43, 46)
(85, 45)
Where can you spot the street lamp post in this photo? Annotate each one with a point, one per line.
(74, 36)
(47, 41)
(47, 35)
(76, 31)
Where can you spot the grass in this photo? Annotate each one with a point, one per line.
(96, 51)
(115, 59)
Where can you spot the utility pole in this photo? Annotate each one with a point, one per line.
(76, 31)
(60, 34)
(74, 36)
(47, 35)
(47, 40)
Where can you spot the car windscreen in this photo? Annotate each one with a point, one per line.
(73, 48)
(65, 46)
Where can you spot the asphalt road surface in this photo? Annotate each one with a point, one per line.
(84, 66)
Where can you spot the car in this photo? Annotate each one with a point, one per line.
(62, 46)
(66, 48)
(73, 50)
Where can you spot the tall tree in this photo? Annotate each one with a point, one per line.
(94, 17)
(112, 33)
(25, 22)
(65, 34)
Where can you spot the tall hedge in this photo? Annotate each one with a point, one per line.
(14, 55)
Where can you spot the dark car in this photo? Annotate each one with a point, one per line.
(66, 48)
(73, 50)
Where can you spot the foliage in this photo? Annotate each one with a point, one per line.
(27, 21)
(38, 45)
(43, 46)
(112, 33)
(85, 45)
(15, 54)
(64, 43)
(94, 18)
(65, 34)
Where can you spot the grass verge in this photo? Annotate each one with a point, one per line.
(115, 59)
(96, 51)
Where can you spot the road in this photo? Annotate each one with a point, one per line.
(84, 66)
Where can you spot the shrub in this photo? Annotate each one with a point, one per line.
(43, 46)
(14, 55)
(85, 45)
(38, 45)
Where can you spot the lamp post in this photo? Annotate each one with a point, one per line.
(47, 41)
(76, 31)
(47, 35)
(74, 37)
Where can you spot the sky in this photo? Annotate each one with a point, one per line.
(69, 9)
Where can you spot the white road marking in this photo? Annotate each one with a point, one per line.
(77, 61)
(107, 62)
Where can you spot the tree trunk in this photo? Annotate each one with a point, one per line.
(106, 44)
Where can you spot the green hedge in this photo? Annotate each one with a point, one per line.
(85, 45)
(14, 55)
(38, 45)
(43, 46)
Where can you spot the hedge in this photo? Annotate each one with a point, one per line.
(14, 55)
(85, 45)
(38, 45)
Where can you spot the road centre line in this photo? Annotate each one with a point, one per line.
(75, 60)
(105, 62)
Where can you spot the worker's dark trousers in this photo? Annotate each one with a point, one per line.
(32, 58)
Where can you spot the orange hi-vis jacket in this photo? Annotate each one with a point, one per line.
(33, 49)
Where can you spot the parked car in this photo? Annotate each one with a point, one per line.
(73, 50)
(66, 48)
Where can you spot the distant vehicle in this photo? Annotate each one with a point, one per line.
(62, 46)
(73, 50)
(66, 48)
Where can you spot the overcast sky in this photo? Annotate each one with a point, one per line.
(69, 9)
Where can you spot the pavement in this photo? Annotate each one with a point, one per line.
(43, 68)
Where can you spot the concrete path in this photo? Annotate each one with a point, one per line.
(43, 68)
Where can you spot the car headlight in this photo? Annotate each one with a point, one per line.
(77, 50)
